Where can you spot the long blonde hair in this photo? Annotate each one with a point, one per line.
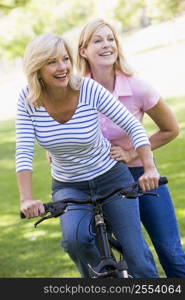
(84, 39)
(37, 54)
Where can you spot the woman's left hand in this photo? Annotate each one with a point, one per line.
(48, 157)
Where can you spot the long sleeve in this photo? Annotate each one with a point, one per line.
(24, 136)
(118, 113)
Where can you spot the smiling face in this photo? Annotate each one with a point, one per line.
(101, 49)
(56, 71)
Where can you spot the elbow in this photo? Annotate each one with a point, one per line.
(174, 133)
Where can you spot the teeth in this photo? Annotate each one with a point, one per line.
(106, 53)
(60, 76)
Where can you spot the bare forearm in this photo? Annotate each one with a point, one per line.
(145, 155)
(166, 122)
(24, 182)
(157, 140)
(31, 208)
(149, 179)
(162, 138)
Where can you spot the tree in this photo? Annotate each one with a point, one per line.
(169, 8)
(129, 13)
(37, 17)
(8, 6)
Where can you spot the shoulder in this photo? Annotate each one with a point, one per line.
(88, 81)
(23, 94)
(23, 100)
(92, 86)
(140, 86)
(142, 92)
(92, 92)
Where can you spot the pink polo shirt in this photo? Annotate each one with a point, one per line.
(138, 97)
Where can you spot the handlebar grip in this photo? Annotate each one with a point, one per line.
(163, 180)
(22, 215)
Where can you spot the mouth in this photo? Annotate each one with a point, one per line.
(61, 76)
(107, 53)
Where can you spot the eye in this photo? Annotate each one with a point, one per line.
(111, 39)
(66, 58)
(97, 41)
(53, 61)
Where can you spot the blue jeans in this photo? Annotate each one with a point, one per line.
(158, 217)
(79, 238)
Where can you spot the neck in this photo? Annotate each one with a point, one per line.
(104, 76)
(58, 94)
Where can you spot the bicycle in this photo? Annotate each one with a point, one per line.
(108, 266)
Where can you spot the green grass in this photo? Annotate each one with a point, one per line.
(170, 161)
(29, 252)
(24, 250)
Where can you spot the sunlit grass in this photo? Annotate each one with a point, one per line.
(29, 252)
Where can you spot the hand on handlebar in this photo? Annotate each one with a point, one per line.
(149, 180)
(32, 208)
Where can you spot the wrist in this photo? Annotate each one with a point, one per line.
(133, 154)
(149, 166)
(22, 200)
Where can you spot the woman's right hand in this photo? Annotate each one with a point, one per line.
(32, 208)
(126, 156)
(149, 180)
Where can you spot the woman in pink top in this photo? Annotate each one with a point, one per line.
(100, 57)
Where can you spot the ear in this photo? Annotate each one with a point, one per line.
(82, 52)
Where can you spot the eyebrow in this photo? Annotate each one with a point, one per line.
(55, 57)
(96, 35)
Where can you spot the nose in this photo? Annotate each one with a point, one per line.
(60, 65)
(105, 44)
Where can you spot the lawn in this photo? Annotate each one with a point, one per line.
(24, 250)
(29, 252)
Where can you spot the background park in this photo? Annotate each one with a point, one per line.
(153, 37)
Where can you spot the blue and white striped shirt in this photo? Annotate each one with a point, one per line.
(78, 149)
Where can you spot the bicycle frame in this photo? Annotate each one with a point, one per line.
(108, 266)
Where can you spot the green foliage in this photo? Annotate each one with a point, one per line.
(6, 6)
(130, 13)
(23, 19)
(38, 17)
(19, 43)
(168, 9)
(75, 15)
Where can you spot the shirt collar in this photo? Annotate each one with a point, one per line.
(122, 86)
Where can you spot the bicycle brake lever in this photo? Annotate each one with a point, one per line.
(131, 195)
(150, 194)
(42, 219)
(55, 211)
(134, 195)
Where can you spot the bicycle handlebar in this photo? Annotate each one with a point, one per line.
(130, 191)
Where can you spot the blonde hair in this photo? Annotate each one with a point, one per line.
(84, 39)
(37, 54)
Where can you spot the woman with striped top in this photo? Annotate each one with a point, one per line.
(60, 111)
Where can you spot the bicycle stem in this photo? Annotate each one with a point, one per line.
(103, 241)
